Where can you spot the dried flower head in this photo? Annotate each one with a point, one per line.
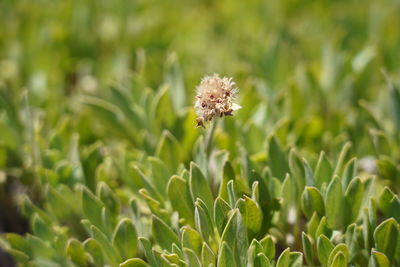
(215, 98)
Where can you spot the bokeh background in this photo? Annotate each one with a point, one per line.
(75, 74)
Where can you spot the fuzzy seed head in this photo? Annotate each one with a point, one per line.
(215, 98)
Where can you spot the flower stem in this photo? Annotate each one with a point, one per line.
(209, 137)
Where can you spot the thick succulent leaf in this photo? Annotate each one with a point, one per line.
(262, 261)
(191, 258)
(108, 198)
(191, 239)
(92, 207)
(125, 238)
(334, 204)
(251, 213)
(354, 196)
(339, 260)
(76, 252)
(312, 201)
(308, 248)
(235, 236)
(284, 259)
(386, 237)
(163, 234)
(93, 247)
(148, 252)
(225, 256)
(135, 262)
(181, 200)
(324, 249)
(207, 255)
(378, 259)
(199, 187)
(269, 247)
(221, 210)
(278, 160)
(109, 251)
(339, 249)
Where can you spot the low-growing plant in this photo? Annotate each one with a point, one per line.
(101, 162)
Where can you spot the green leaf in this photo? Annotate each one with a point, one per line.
(207, 255)
(169, 151)
(76, 252)
(254, 249)
(339, 260)
(269, 247)
(324, 249)
(163, 234)
(394, 208)
(162, 112)
(162, 260)
(110, 115)
(19, 256)
(307, 248)
(354, 197)
(312, 225)
(339, 164)
(176, 250)
(296, 259)
(41, 229)
(39, 247)
(199, 187)
(125, 238)
(323, 228)
(334, 204)
(181, 200)
(284, 259)
(173, 258)
(148, 252)
(232, 195)
(221, 210)
(92, 207)
(191, 239)
(312, 201)
(154, 205)
(145, 182)
(367, 230)
(251, 213)
(394, 100)
(235, 236)
(386, 236)
(262, 261)
(225, 256)
(107, 196)
(339, 249)
(135, 262)
(349, 172)
(160, 174)
(17, 242)
(323, 171)
(351, 240)
(191, 258)
(378, 259)
(93, 247)
(174, 78)
(109, 251)
(385, 199)
(277, 159)
(228, 175)
(203, 221)
(55, 200)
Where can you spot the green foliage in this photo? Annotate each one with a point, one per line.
(101, 163)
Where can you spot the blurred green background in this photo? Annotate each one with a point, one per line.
(77, 76)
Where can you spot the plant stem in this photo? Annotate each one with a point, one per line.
(209, 137)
